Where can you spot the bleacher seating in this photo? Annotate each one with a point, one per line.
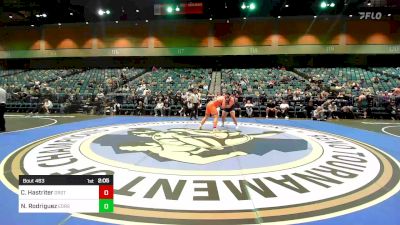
(352, 75)
(80, 87)
(258, 80)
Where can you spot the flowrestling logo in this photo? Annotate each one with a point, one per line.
(171, 172)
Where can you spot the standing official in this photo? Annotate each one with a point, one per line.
(2, 109)
(196, 102)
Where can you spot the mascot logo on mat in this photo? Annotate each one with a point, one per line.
(171, 172)
(194, 146)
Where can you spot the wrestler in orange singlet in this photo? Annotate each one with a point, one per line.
(211, 110)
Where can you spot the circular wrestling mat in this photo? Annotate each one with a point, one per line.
(169, 172)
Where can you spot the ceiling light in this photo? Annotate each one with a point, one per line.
(107, 12)
(332, 5)
(252, 6)
(169, 9)
(323, 5)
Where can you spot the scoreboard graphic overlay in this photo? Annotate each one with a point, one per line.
(66, 193)
(166, 171)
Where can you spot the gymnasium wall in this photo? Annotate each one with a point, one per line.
(270, 36)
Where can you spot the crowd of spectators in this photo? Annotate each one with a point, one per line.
(184, 92)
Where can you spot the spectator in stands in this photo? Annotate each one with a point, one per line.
(271, 84)
(375, 80)
(167, 108)
(278, 96)
(123, 78)
(100, 95)
(205, 87)
(37, 84)
(146, 92)
(146, 99)
(391, 110)
(140, 108)
(285, 79)
(65, 107)
(196, 102)
(309, 108)
(385, 98)
(242, 82)
(362, 104)
(284, 108)
(271, 107)
(288, 93)
(238, 109)
(190, 104)
(296, 97)
(262, 97)
(170, 93)
(116, 108)
(184, 102)
(255, 86)
(319, 113)
(249, 89)
(355, 86)
(332, 110)
(340, 95)
(169, 80)
(249, 108)
(3, 96)
(159, 108)
(325, 94)
(125, 89)
(396, 94)
(141, 88)
(363, 84)
(347, 111)
(47, 106)
(96, 106)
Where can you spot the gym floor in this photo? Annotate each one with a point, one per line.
(17, 122)
(166, 171)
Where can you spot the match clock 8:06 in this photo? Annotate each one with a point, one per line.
(103, 180)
